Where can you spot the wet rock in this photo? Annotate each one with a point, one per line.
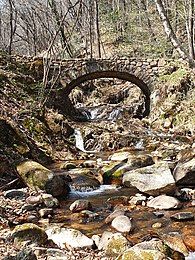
(116, 245)
(44, 213)
(29, 231)
(116, 169)
(113, 215)
(183, 216)
(164, 202)
(138, 199)
(175, 242)
(80, 205)
(68, 166)
(184, 173)
(115, 200)
(15, 194)
(32, 219)
(38, 177)
(153, 180)
(122, 224)
(153, 250)
(71, 238)
(89, 214)
(83, 179)
(159, 214)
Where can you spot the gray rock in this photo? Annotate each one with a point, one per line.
(113, 215)
(15, 194)
(153, 180)
(71, 238)
(164, 202)
(184, 173)
(80, 205)
(181, 216)
(122, 224)
(34, 200)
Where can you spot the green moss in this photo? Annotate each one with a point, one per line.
(174, 78)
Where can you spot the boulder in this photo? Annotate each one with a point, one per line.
(71, 238)
(164, 202)
(153, 250)
(38, 177)
(29, 231)
(153, 180)
(184, 173)
(113, 243)
(175, 241)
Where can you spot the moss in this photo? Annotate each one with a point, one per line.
(175, 77)
(29, 231)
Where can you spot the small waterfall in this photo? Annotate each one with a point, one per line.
(115, 113)
(79, 140)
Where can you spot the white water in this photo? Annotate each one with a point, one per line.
(102, 189)
(191, 256)
(80, 142)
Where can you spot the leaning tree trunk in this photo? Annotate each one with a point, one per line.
(169, 30)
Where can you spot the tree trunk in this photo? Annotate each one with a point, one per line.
(169, 30)
(190, 30)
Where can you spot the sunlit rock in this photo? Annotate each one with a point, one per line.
(153, 250)
(113, 243)
(175, 241)
(71, 238)
(122, 224)
(38, 177)
(153, 180)
(184, 173)
(164, 202)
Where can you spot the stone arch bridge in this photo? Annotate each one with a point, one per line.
(141, 72)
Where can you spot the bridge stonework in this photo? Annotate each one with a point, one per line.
(141, 72)
(147, 70)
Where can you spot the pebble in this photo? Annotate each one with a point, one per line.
(157, 225)
(46, 212)
(34, 200)
(80, 205)
(122, 224)
(113, 215)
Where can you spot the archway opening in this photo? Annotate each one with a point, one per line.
(103, 95)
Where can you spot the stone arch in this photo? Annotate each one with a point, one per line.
(65, 105)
